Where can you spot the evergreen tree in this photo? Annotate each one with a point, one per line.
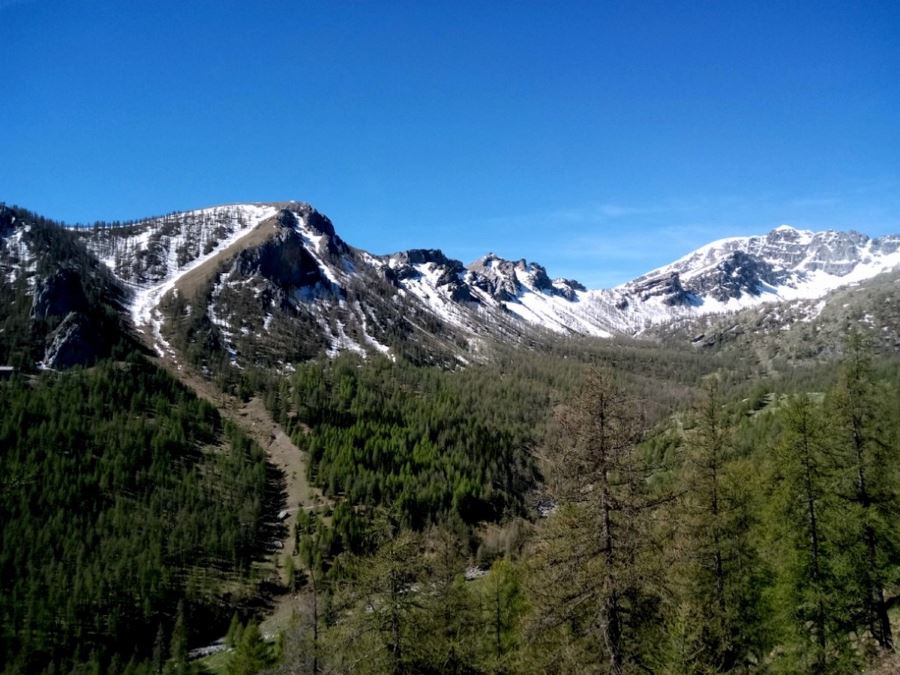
(178, 645)
(379, 632)
(593, 576)
(233, 636)
(502, 607)
(251, 655)
(159, 653)
(804, 518)
(868, 459)
(448, 627)
(720, 574)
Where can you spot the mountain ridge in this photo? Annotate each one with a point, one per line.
(274, 280)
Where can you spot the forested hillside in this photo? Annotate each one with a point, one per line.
(128, 510)
(754, 529)
(720, 496)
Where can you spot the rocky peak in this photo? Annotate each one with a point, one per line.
(496, 277)
(567, 288)
(667, 287)
(421, 256)
(506, 279)
(737, 274)
(319, 223)
(445, 274)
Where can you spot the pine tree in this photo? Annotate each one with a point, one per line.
(159, 654)
(593, 575)
(251, 655)
(502, 606)
(233, 636)
(720, 574)
(868, 482)
(448, 621)
(178, 646)
(382, 609)
(804, 518)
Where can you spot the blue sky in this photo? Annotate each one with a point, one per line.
(600, 139)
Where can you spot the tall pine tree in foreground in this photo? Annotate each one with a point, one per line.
(805, 519)
(593, 574)
(719, 578)
(867, 458)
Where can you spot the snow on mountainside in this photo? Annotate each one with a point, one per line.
(151, 256)
(732, 274)
(262, 282)
(277, 277)
(273, 284)
(724, 276)
(490, 290)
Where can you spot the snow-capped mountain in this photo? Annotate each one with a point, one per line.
(739, 272)
(724, 276)
(302, 278)
(274, 283)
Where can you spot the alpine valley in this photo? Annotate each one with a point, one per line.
(231, 442)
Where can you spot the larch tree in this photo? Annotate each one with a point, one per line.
(868, 458)
(803, 524)
(719, 576)
(592, 577)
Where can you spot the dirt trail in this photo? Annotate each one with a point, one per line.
(255, 421)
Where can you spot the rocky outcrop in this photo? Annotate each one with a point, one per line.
(58, 294)
(505, 280)
(738, 274)
(667, 287)
(74, 342)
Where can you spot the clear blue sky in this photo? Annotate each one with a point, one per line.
(600, 139)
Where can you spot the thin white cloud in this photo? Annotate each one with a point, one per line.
(606, 243)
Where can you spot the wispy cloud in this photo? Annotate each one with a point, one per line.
(605, 243)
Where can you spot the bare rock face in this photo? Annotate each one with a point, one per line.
(505, 280)
(568, 288)
(74, 342)
(667, 287)
(738, 274)
(496, 277)
(449, 276)
(284, 261)
(58, 294)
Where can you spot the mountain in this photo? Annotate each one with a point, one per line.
(273, 284)
(61, 306)
(739, 272)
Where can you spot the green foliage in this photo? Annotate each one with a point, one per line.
(594, 579)
(122, 498)
(251, 654)
(805, 526)
(720, 576)
(867, 456)
(427, 442)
